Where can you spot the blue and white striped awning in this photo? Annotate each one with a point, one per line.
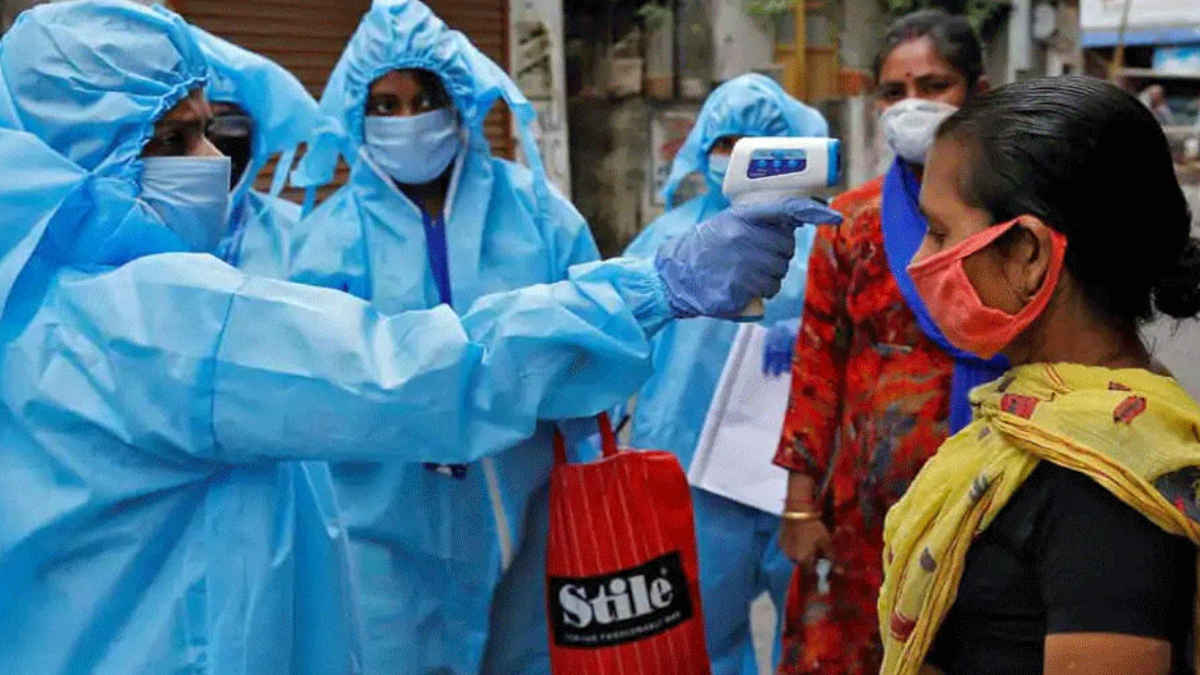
(1166, 35)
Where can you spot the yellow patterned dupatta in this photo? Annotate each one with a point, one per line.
(1135, 433)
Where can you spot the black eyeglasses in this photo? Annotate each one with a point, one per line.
(230, 126)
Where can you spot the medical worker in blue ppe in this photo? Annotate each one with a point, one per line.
(153, 399)
(739, 553)
(429, 217)
(259, 110)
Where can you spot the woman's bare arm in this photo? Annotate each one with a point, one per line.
(1102, 653)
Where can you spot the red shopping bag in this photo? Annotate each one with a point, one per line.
(622, 579)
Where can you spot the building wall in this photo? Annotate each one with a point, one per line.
(304, 36)
(537, 66)
(609, 166)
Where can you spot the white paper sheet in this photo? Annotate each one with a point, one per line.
(741, 431)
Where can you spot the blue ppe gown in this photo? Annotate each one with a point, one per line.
(738, 544)
(160, 411)
(284, 114)
(429, 543)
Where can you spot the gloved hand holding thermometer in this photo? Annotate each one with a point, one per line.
(739, 255)
(769, 169)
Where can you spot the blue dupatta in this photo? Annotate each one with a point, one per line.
(903, 229)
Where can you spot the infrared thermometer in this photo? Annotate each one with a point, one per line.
(773, 168)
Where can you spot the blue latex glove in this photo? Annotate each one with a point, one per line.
(740, 254)
(777, 347)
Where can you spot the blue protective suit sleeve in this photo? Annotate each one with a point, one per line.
(264, 369)
(645, 245)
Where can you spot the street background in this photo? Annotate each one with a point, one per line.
(617, 83)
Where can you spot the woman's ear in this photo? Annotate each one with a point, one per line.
(1029, 255)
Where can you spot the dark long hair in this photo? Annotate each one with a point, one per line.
(1093, 163)
(952, 37)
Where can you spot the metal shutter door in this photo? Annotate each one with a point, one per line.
(304, 36)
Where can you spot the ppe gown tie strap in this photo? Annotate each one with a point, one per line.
(282, 168)
(310, 200)
(608, 440)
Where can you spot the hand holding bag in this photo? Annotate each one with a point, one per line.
(622, 576)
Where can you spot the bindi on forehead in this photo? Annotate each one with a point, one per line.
(914, 58)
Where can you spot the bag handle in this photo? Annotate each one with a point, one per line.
(608, 440)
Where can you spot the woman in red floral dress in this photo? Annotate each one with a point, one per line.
(872, 388)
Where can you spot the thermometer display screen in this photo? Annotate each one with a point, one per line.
(766, 162)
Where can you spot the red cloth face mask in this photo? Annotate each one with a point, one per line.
(955, 307)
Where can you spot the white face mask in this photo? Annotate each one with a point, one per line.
(191, 195)
(718, 166)
(413, 150)
(911, 124)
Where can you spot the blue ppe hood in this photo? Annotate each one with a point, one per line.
(402, 34)
(284, 113)
(747, 105)
(92, 97)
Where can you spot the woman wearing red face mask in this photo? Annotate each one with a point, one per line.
(1056, 533)
(875, 385)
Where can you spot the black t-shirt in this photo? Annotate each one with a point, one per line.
(1065, 556)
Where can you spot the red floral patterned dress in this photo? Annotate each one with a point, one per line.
(869, 404)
